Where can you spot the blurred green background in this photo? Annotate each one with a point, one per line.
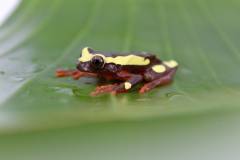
(196, 117)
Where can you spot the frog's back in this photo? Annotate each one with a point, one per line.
(155, 66)
(136, 62)
(142, 62)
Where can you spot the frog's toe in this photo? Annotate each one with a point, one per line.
(145, 89)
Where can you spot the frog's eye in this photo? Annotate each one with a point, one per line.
(97, 62)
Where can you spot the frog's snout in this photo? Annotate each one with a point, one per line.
(83, 66)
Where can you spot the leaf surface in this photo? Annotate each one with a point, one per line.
(42, 36)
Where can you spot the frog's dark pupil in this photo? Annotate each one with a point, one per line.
(97, 62)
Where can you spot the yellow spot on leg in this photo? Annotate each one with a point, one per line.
(159, 68)
(127, 85)
(171, 64)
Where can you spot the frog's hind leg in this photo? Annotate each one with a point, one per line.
(160, 81)
(128, 79)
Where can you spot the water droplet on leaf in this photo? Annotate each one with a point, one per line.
(17, 78)
(170, 95)
(67, 91)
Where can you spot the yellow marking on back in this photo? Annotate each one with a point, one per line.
(171, 64)
(128, 60)
(120, 60)
(159, 68)
(127, 85)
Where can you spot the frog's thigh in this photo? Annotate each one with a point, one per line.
(159, 80)
(154, 72)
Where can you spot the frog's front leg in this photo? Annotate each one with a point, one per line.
(129, 81)
(75, 74)
(104, 89)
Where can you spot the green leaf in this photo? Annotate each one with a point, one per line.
(42, 36)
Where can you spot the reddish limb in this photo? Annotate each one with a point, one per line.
(131, 79)
(158, 82)
(104, 89)
(75, 74)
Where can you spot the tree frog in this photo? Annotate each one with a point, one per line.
(128, 70)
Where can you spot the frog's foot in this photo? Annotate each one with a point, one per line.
(120, 88)
(104, 89)
(75, 74)
(158, 82)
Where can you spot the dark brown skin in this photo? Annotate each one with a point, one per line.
(132, 74)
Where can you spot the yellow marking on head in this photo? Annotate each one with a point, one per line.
(86, 55)
(120, 60)
(159, 68)
(127, 85)
(171, 64)
(128, 60)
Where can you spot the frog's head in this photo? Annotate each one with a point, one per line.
(89, 61)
